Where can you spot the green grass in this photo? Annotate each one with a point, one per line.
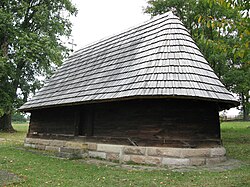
(41, 170)
(236, 138)
(18, 137)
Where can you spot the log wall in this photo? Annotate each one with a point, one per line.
(158, 121)
(52, 121)
(178, 123)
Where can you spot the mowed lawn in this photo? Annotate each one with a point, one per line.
(37, 169)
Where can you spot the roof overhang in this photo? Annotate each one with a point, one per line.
(222, 104)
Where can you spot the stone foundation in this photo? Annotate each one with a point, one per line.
(143, 155)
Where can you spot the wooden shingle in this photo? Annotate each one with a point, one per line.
(156, 58)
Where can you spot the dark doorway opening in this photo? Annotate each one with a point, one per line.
(84, 122)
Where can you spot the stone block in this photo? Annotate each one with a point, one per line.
(70, 150)
(164, 152)
(217, 152)
(29, 145)
(145, 159)
(112, 156)
(153, 160)
(85, 155)
(109, 148)
(197, 161)
(96, 154)
(138, 159)
(41, 141)
(134, 150)
(215, 160)
(189, 152)
(92, 146)
(28, 140)
(57, 143)
(125, 158)
(32, 140)
(176, 161)
(52, 148)
(76, 145)
(41, 147)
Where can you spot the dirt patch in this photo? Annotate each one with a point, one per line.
(7, 178)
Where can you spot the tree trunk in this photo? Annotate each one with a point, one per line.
(5, 123)
(245, 113)
(245, 108)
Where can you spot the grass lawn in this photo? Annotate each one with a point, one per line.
(40, 170)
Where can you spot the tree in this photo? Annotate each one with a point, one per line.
(221, 30)
(19, 117)
(30, 47)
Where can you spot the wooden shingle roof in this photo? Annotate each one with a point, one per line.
(155, 59)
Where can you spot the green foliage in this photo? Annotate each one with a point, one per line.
(221, 28)
(18, 117)
(42, 170)
(30, 46)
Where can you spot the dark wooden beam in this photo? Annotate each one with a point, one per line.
(89, 114)
(77, 121)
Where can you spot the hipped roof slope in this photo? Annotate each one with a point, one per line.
(156, 58)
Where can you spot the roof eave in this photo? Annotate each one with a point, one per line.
(223, 104)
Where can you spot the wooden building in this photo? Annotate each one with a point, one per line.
(147, 86)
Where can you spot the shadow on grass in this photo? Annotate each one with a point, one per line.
(7, 178)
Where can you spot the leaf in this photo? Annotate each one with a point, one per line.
(213, 25)
(210, 4)
(199, 20)
(241, 53)
(208, 24)
(247, 32)
(234, 50)
(247, 44)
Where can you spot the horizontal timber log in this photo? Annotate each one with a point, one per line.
(158, 122)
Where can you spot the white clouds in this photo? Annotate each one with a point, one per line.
(98, 19)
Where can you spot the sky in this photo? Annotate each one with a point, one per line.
(98, 19)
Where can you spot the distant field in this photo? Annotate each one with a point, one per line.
(18, 137)
(36, 169)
